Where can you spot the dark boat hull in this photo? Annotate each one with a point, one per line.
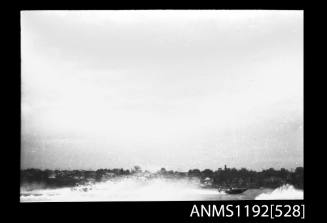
(235, 190)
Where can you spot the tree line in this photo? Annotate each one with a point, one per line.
(222, 177)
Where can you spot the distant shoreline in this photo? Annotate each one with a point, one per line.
(227, 177)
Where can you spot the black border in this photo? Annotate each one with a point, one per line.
(108, 210)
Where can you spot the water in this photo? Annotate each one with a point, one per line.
(141, 189)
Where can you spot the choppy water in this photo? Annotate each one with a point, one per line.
(159, 189)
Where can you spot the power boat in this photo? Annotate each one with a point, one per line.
(235, 190)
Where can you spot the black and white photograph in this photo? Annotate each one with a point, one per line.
(161, 105)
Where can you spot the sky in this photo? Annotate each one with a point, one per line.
(162, 88)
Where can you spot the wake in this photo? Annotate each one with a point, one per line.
(285, 192)
(123, 189)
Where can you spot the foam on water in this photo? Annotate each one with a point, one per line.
(123, 189)
(134, 188)
(285, 192)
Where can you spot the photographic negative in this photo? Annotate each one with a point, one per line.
(153, 105)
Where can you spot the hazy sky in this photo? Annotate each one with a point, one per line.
(174, 89)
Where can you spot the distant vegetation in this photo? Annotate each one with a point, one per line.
(226, 177)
